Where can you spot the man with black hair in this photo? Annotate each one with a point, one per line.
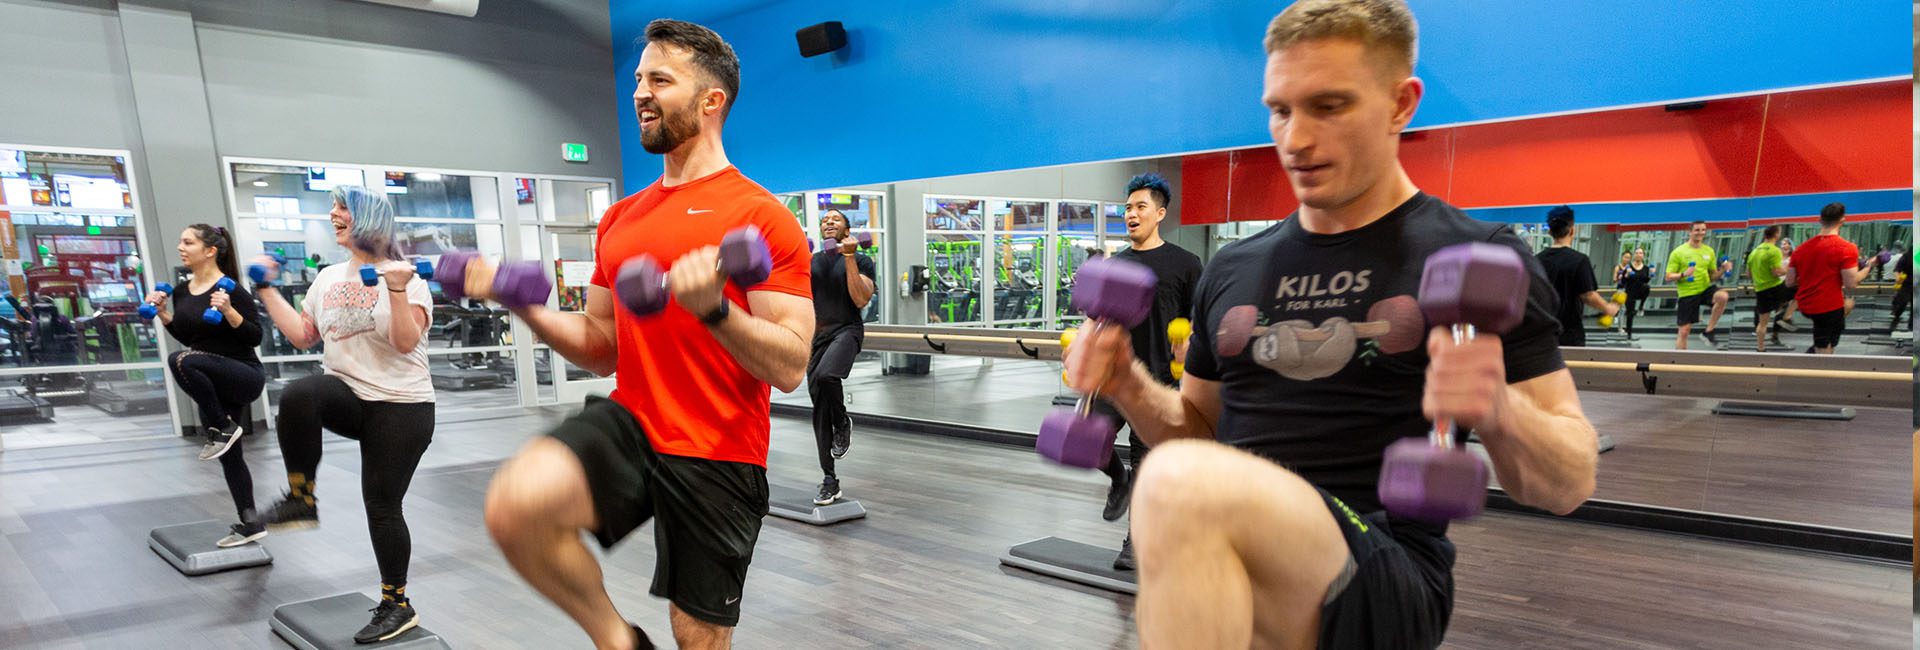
(1571, 273)
(682, 442)
(842, 287)
(1176, 271)
(1823, 270)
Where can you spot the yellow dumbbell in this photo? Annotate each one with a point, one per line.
(1620, 297)
(1606, 321)
(1178, 331)
(1066, 339)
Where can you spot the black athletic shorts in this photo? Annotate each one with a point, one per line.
(1770, 300)
(1827, 327)
(1397, 593)
(1689, 311)
(706, 513)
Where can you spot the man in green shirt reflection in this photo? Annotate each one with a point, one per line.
(1691, 266)
(1768, 266)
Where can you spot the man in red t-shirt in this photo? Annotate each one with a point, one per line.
(1825, 268)
(683, 439)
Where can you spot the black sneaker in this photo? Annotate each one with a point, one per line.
(1710, 337)
(291, 514)
(1119, 494)
(1125, 560)
(242, 533)
(829, 492)
(390, 619)
(219, 440)
(842, 436)
(640, 638)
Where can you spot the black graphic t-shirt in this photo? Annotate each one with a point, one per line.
(1339, 371)
(1571, 274)
(1176, 271)
(833, 308)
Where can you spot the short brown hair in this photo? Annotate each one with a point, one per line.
(1384, 27)
(711, 55)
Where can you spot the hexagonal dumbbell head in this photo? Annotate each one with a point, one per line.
(745, 258)
(521, 283)
(453, 273)
(1072, 440)
(641, 286)
(1478, 284)
(1434, 484)
(1113, 290)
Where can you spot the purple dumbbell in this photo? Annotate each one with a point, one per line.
(515, 284)
(1109, 292)
(1469, 287)
(861, 239)
(641, 284)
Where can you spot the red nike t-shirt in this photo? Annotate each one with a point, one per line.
(1816, 267)
(687, 391)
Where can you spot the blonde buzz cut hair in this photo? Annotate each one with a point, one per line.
(1386, 29)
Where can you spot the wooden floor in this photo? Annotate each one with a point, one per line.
(1673, 451)
(920, 572)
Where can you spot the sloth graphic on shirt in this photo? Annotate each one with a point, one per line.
(347, 311)
(1331, 364)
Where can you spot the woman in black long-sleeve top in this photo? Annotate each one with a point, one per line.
(219, 368)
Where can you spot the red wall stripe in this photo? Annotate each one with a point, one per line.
(1830, 140)
(1203, 188)
(1825, 140)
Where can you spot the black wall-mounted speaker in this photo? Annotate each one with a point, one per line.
(822, 38)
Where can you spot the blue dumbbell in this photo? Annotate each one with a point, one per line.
(421, 267)
(258, 272)
(210, 316)
(149, 310)
(213, 316)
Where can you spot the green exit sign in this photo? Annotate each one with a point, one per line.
(573, 152)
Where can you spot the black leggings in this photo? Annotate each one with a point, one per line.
(1901, 300)
(392, 438)
(222, 387)
(831, 362)
(1633, 307)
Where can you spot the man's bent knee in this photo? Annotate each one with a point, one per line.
(541, 487)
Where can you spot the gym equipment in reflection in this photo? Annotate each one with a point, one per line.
(471, 324)
(954, 281)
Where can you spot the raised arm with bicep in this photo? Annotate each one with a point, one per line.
(1101, 360)
(772, 342)
(859, 286)
(585, 338)
(1545, 452)
(294, 325)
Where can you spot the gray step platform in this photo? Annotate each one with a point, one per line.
(1797, 411)
(330, 623)
(789, 503)
(1072, 561)
(190, 549)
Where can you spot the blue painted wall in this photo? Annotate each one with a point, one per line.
(938, 87)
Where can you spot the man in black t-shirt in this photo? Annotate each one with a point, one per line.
(1176, 271)
(842, 287)
(1570, 273)
(1258, 521)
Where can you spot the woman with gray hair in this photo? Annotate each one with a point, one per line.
(375, 389)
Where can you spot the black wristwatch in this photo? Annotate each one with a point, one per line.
(718, 316)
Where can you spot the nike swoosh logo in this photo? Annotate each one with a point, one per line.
(733, 600)
(693, 211)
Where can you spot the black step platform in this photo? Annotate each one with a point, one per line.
(790, 503)
(190, 549)
(330, 623)
(1798, 411)
(1071, 561)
